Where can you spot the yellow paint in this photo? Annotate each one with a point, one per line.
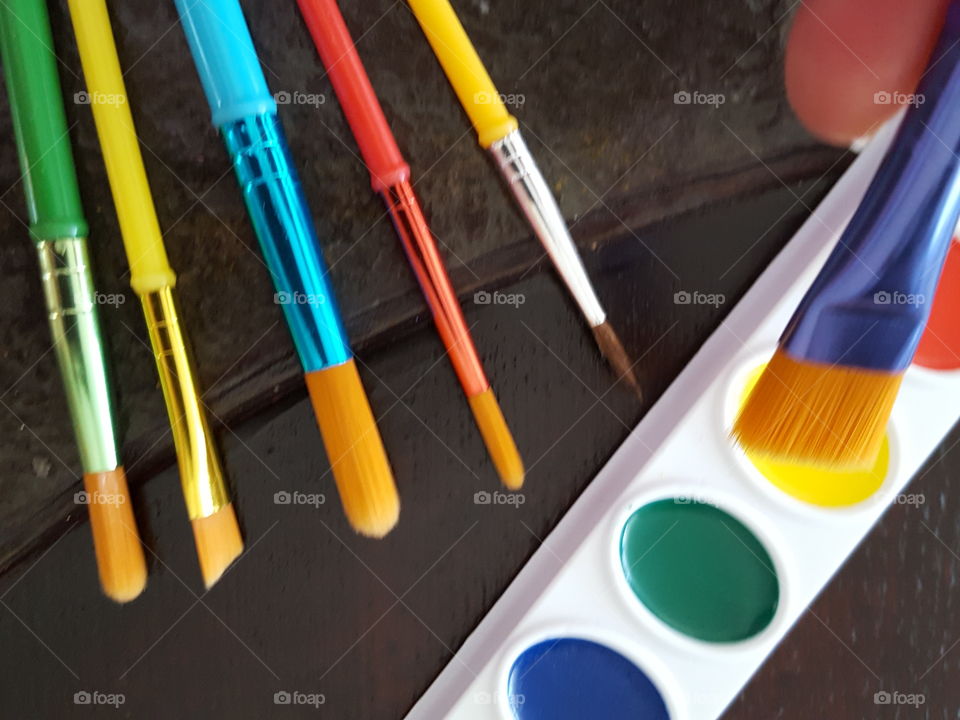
(464, 69)
(817, 486)
(149, 269)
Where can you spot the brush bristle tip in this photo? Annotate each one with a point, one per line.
(821, 415)
(218, 542)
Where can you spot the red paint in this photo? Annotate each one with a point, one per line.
(939, 347)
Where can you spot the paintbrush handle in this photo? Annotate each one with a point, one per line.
(464, 69)
(424, 257)
(149, 268)
(281, 219)
(389, 175)
(355, 93)
(152, 278)
(868, 305)
(43, 142)
(58, 228)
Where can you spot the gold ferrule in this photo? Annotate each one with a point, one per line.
(204, 488)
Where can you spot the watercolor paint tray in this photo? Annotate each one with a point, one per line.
(684, 563)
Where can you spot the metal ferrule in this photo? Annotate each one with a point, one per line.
(204, 489)
(421, 250)
(75, 327)
(520, 170)
(280, 217)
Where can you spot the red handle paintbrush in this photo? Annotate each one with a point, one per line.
(390, 176)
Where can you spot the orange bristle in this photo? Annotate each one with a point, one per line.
(825, 415)
(496, 435)
(218, 541)
(116, 542)
(354, 448)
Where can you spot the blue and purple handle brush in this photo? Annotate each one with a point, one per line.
(826, 396)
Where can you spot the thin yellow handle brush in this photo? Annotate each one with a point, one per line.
(499, 134)
(215, 528)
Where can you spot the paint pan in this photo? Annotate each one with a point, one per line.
(684, 563)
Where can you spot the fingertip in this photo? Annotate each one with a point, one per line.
(845, 59)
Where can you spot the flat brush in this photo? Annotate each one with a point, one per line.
(59, 230)
(498, 132)
(214, 523)
(390, 177)
(826, 396)
(245, 113)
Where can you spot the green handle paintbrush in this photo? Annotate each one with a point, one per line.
(58, 228)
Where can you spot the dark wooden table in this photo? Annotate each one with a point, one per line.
(312, 608)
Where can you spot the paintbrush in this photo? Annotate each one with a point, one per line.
(246, 115)
(211, 513)
(498, 132)
(827, 394)
(59, 230)
(390, 177)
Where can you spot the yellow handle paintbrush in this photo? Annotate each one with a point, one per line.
(208, 504)
(499, 134)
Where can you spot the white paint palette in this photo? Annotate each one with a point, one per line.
(609, 608)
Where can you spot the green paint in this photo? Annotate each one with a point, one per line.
(699, 570)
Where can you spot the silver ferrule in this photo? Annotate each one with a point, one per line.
(75, 327)
(518, 167)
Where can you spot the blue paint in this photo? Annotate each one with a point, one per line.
(572, 678)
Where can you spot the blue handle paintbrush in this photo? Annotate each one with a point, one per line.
(246, 115)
